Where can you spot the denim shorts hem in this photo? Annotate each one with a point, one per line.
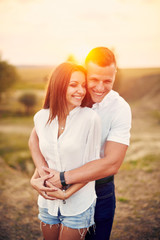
(73, 227)
(66, 225)
(79, 221)
(47, 222)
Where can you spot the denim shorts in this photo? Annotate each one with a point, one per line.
(82, 220)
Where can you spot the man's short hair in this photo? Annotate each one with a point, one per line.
(101, 56)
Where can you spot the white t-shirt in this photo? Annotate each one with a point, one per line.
(115, 115)
(79, 144)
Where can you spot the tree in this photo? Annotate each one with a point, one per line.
(29, 100)
(8, 76)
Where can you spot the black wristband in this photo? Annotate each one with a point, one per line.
(62, 179)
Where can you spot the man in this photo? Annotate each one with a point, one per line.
(115, 117)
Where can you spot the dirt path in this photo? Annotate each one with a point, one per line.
(137, 185)
(18, 208)
(15, 129)
(145, 137)
(138, 204)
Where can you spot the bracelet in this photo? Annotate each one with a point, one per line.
(64, 201)
(62, 179)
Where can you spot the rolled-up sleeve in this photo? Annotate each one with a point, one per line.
(120, 126)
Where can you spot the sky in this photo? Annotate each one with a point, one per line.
(46, 32)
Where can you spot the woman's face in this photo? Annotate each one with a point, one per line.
(76, 90)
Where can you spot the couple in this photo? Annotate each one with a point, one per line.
(67, 139)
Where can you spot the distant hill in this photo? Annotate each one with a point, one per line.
(135, 84)
(140, 85)
(34, 66)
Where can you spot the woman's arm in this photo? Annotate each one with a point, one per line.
(63, 195)
(36, 154)
(48, 191)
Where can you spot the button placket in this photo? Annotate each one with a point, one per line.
(55, 145)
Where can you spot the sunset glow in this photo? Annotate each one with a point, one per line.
(47, 32)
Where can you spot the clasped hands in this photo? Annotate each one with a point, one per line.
(48, 186)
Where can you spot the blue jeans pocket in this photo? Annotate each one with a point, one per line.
(106, 196)
(105, 190)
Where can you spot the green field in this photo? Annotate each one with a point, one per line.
(33, 77)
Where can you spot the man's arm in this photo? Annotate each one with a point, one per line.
(49, 191)
(37, 156)
(114, 154)
(114, 151)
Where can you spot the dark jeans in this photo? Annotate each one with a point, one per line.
(104, 212)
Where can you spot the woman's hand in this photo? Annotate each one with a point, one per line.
(38, 183)
(59, 194)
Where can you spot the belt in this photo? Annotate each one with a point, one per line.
(104, 180)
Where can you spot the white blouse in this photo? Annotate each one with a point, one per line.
(77, 145)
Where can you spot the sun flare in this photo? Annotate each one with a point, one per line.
(80, 53)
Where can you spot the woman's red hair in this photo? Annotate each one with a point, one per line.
(55, 98)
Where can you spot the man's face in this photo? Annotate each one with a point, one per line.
(100, 80)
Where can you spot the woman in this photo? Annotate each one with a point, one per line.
(69, 136)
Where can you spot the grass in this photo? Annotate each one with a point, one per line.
(11, 108)
(14, 150)
(123, 199)
(29, 86)
(16, 120)
(144, 163)
(156, 115)
(32, 77)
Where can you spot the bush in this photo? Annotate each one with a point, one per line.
(29, 100)
(8, 76)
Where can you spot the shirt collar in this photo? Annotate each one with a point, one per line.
(73, 111)
(110, 96)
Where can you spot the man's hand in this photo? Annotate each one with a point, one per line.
(39, 185)
(55, 180)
